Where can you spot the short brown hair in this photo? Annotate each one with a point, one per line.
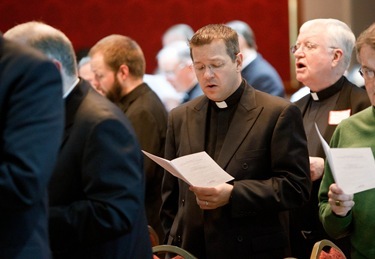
(367, 37)
(118, 50)
(208, 33)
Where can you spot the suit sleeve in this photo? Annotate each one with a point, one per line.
(113, 185)
(170, 186)
(31, 115)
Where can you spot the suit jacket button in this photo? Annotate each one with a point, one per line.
(239, 238)
(245, 166)
(179, 238)
(183, 201)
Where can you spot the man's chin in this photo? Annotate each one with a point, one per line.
(301, 78)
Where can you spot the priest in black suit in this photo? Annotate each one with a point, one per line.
(322, 54)
(255, 137)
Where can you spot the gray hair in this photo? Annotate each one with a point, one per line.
(83, 61)
(339, 36)
(178, 49)
(50, 41)
(244, 29)
(178, 32)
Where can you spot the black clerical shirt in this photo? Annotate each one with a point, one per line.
(218, 122)
(319, 106)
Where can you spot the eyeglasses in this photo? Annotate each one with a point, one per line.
(366, 73)
(306, 47)
(213, 68)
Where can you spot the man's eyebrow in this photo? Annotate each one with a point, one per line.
(210, 60)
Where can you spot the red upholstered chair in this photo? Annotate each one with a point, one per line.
(333, 252)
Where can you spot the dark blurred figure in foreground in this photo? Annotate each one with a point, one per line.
(31, 127)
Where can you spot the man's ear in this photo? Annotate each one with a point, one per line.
(337, 56)
(57, 64)
(123, 72)
(239, 60)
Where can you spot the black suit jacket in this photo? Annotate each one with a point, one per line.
(265, 151)
(97, 189)
(31, 127)
(263, 76)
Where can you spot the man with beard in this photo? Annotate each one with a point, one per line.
(119, 66)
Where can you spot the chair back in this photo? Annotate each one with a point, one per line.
(153, 236)
(171, 251)
(334, 251)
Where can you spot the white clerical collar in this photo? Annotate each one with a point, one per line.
(71, 88)
(221, 105)
(314, 96)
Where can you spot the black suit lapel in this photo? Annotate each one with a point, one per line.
(196, 118)
(242, 122)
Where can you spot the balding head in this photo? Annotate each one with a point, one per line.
(50, 41)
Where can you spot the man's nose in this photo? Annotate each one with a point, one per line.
(208, 72)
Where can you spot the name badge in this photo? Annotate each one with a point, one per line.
(335, 117)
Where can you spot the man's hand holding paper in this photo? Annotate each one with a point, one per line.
(212, 197)
(340, 202)
(352, 168)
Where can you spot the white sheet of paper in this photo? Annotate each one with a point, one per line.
(353, 168)
(197, 169)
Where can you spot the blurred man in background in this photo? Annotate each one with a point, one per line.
(176, 65)
(255, 69)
